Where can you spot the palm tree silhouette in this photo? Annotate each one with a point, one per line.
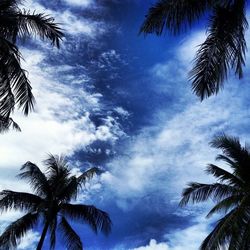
(231, 194)
(50, 205)
(224, 47)
(15, 88)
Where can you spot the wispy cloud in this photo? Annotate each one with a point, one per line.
(179, 239)
(79, 3)
(162, 158)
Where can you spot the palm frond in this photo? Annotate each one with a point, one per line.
(9, 4)
(72, 185)
(7, 123)
(235, 155)
(224, 175)
(231, 147)
(38, 23)
(198, 192)
(224, 47)
(174, 15)
(7, 98)
(230, 162)
(226, 204)
(241, 24)
(18, 201)
(12, 73)
(96, 218)
(55, 164)
(36, 178)
(69, 190)
(241, 240)
(16, 230)
(69, 236)
(229, 225)
(58, 173)
(89, 174)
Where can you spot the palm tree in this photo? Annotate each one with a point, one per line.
(224, 47)
(15, 88)
(231, 194)
(50, 204)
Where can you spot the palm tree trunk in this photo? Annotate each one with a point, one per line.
(45, 229)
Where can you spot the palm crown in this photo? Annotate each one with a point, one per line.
(53, 190)
(231, 194)
(224, 47)
(15, 88)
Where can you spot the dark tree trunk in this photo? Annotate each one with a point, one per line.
(45, 229)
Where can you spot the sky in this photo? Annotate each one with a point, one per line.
(111, 98)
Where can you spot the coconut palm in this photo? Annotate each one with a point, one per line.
(50, 205)
(15, 88)
(231, 193)
(224, 47)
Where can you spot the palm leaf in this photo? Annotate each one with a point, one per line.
(7, 98)
(36, 178)
(58, 173)
(229, 225)
(69, 190)
(226, 204)
(231, 147)
(55, 164)
(96, 218)
(12, 73)
(69, 236)
(230, 162)
(40, 24)
(241, 240)
(224, 47)
(198, 192)
(6, 123)
(9, 4)
(237, 156)
(16, 230)
(89, 174)
(224, 175)
(173, 15)
(18, 201)
(71, 187)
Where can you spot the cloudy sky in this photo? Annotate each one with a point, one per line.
(111, 98)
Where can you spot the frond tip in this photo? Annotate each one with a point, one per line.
(70, 237)
(40, 24)
(96, 218)
(173, 15)
(16, 230)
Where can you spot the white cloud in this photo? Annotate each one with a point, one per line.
(6, 217)
(189, 46)
(29, 242)
(79, 3)
(190, 237)
(59, 125)
(122, 111)
(153, 245)
(175, 150)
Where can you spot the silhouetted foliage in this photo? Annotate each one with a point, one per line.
(15, 88)
(231, 194)
(53, 190)
(224, 47)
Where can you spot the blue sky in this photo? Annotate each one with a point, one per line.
(121, 101)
